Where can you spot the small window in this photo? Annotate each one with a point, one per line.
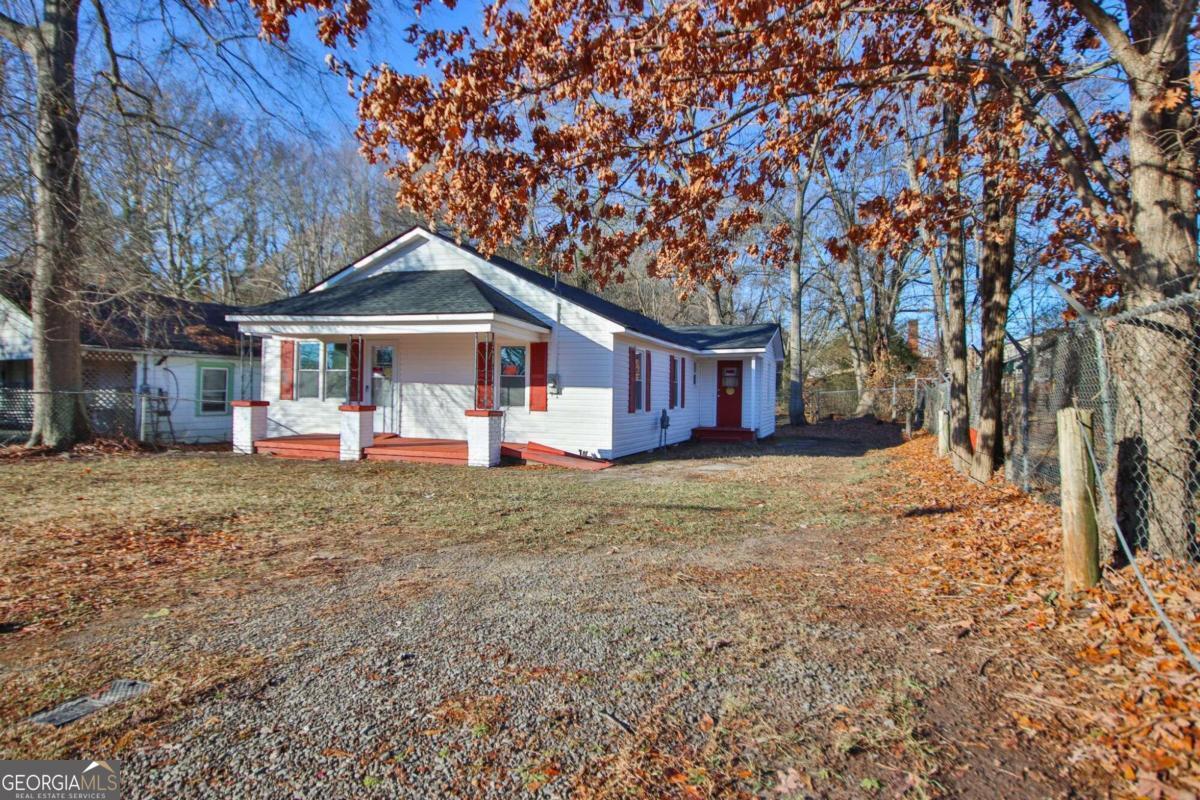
(308, 369)
(637, 380)
(512, 377)
(214, 390)
(337, 361)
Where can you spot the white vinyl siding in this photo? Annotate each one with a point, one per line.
(179, 377)
(633, 433)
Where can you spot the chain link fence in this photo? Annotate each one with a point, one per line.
(154, 418)
(890, 402)
(1138, 374)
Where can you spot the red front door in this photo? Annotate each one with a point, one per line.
(729, 394)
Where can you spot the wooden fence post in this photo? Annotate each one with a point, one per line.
(943, 432)
(1081, 539)
(908, 415)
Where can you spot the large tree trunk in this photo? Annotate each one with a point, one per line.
(59, 415)
(954, 269)
(996, 262)
(796, 356)
(1157, 356)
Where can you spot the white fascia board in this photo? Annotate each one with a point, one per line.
(412, 324)
(371, 258)
(742, 351)
(661, 343)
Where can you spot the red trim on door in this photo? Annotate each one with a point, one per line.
(484, 379)
(632, 391)
(646, 380)
(355, 394)
(729, 394)
(538, 363)
(287, 369)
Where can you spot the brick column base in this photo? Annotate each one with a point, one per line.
(484, 429)
(249, 424)
(358, 431)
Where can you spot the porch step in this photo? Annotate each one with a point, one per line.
(321, 447)
(427, 451)
(723, 434)
(544, 454)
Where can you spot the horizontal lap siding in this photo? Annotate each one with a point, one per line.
(288, 417)
(639, 431)
(766, 415)
(437, 384)
(706, 391)
(577, 419)
(177, 376)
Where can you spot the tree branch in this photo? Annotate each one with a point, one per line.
(18, 33)
(1107, 25)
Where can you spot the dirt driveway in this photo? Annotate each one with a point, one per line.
(708, 622)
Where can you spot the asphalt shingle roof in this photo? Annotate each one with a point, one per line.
(397, 293)
(141, 320)
(701, 337)
(728, 337)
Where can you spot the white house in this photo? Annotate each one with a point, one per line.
(425, 344)
(154, 367)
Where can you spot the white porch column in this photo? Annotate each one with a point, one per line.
(484, 429)
(249, 424)
(357, 431)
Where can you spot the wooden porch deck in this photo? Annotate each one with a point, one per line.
(390, 447)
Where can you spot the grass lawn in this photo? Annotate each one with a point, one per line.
(736, 565)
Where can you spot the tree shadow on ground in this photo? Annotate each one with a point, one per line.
(831, 438)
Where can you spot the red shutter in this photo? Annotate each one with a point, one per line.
(287, 369)
(484, 380)
(632, 392)
(647, 379)
(682, 382)
(538, 357)
(673, 391)
(354, 393)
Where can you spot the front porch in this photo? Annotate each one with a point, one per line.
(391, 447)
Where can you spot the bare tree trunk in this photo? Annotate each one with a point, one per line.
(712, 304)
(796, 356)
(996, 263)
(59, 415)
(1158, 356)
(954, 269)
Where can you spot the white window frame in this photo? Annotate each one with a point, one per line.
(320, 370)
(200, 370)
(524, 375)
(639, 379)
(325, 370)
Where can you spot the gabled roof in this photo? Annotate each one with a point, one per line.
(453, 291)
(141, 320)
(695, 337)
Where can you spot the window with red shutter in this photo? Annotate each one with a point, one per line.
(648, 380)
(682, 382)
(635, 377)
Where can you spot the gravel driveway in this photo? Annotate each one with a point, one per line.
(770, 659)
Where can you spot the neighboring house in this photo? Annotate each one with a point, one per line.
(183, 356)
(431, 333)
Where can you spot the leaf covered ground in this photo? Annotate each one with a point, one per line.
(831, 613)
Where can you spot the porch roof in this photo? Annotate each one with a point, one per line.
(395, 294)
